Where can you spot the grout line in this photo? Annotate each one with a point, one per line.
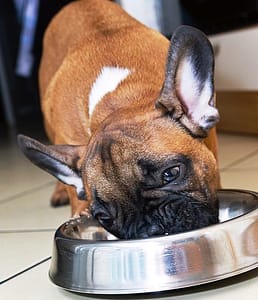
(25, 270)
(27, 192)
(237, 161)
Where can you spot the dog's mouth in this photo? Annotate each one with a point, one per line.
(178, 215)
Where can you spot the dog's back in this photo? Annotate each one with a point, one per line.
(81, 39)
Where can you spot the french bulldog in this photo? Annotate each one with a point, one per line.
(131, 118)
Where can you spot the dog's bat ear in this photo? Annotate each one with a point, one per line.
(188, 90)
(62, 161)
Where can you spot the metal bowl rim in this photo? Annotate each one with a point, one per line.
(171, 237)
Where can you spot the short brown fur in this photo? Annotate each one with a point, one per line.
(76, 47)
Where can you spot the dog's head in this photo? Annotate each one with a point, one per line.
(148, 172)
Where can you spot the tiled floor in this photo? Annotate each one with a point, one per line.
(28, 223)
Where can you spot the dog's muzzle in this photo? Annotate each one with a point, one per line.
(173, 215)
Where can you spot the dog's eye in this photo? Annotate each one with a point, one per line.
(170, 174)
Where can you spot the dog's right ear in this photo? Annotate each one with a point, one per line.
(62, 161)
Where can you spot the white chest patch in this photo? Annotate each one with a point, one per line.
(106, 82)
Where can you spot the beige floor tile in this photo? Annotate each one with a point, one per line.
(22, 250)
(32, 211)
(35, 285)
(17, 173)
(240, 179)
(235, 147)
(248, 163)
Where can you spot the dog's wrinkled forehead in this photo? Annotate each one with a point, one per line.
(156, 138)
(100, 147)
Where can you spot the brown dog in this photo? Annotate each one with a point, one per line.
(132, 118)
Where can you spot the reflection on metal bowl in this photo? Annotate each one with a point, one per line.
(88, 259)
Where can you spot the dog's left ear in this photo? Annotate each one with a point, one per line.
(61, 161)
(188, 90)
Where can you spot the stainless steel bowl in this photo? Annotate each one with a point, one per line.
(87, 259)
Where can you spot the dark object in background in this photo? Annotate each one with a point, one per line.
(9, 36)
(19, 97)
(219, 16)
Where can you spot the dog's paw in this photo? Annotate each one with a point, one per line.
(60, 196)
